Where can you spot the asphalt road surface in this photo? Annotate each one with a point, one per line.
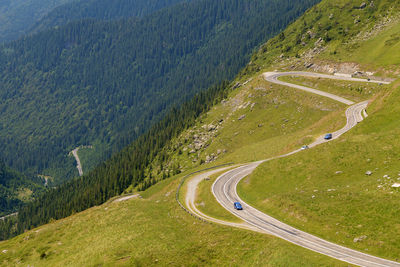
(224, 188)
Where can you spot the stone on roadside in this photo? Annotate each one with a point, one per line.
(360, 238)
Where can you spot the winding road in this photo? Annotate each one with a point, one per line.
(224, 188)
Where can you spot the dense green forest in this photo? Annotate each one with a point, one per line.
(16, 189)
(21, 17)
(112, 177)
(18, 16)
(107, 82)
(100, 10)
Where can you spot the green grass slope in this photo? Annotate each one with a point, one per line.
(324, 190)
(337, 33)
(149, 231)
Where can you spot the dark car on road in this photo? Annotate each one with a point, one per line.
(328, 136)
(237, 206)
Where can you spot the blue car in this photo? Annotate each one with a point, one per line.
(328, 136)
(237, 206)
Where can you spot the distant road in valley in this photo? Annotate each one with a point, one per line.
(78, 161)
(9, 215)
(224, 188)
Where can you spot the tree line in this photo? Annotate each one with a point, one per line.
(109, 81)
(112, 177)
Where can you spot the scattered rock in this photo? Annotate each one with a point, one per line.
(396, 185)
(312, 196)
(236, 85)
(260, 125)
(338, 172)
(359, 239)
(207, 179)
(197, 146)
(308, 65)
(4, 251)
(363, 5)
(211, 127)
(192, 151)
(311, 34)
(242, 117)
(368, 173)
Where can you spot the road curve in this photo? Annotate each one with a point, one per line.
(191, 198)
(273, 77)
(224, 188)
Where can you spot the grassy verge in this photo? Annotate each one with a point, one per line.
(147, 232)
(325, 191)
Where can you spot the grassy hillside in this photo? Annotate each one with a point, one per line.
(337, 35)
(324, 190)
(148, 231)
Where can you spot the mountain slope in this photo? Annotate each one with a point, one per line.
(105, 83)
(100, 10)
(16, 189)
(149, 231)
(17, 16)
(256, 120)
